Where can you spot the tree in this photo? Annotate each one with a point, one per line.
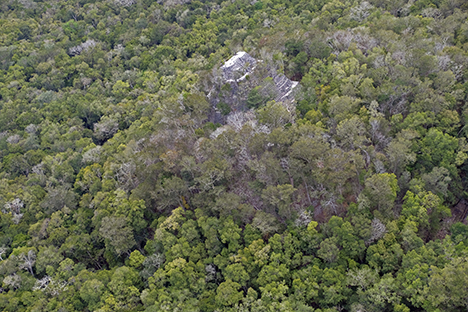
(413, 211)
(342, 107)
(118, 235)
(352, 132)
(170, 193)
(328, 250)
(280, 199)
(385, 255)
(448, 286)
(229, 234)
(50, 286)
(124, 285)
(274, 115)
(382, 190)
(400, 154)
(48, 259)
(363, 278)
(383, 293)
(91, 292)
(136, 259)
(236, 273)
(105, 128)
(438, 150)
(227, 293)
(265, 222)
(27, 261)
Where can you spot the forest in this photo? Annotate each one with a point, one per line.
(133, 177)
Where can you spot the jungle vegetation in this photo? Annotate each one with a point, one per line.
(119, 193)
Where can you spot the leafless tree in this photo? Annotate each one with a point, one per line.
(92, 156)
(50, 286)
(210, 272)
(106, 128)
(378, 230)
(361, 12)
(28, 261)
(13, 281)
(85, 46)
(3, 250)
(14, 207)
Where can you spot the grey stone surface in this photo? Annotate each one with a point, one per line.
(238, 76)
(284, 87)
(238, 67)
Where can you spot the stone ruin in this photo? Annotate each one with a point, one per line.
(242, 73)
(238, 67)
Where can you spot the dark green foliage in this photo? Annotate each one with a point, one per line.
(255, 99)
(224, 108)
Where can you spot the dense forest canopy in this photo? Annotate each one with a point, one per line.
(119, 191)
